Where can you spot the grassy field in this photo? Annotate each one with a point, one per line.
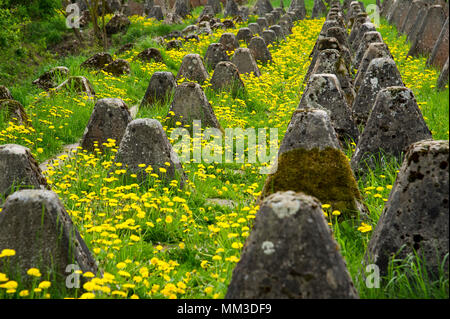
(155, 240)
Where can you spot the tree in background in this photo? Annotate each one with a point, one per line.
(35, 9)
(97, 9)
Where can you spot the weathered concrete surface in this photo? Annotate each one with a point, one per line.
(381, 73)
(394, 123)
(145, 142)
(35, 224)
(428, 32)
(291, 254)
(440, 50)
(416, 214)
(18, 170)
(108, 120)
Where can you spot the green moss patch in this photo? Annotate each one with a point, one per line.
(324, 174)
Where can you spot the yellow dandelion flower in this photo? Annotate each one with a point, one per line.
(45, 284)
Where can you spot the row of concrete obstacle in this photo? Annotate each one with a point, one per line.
(38, 213)
(272, 28)
(290, 252)
(273, 25)
(111, 118)
(181, 9)
(425, 22)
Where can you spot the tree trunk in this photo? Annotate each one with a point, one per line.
(94, 16)
(104, 35)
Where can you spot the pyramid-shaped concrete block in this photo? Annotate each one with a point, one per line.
(229, 41)
(278, 31)
(255, 28)
(216, 6)
(411, 16)
(108, 120)
(276, 15)
(298, 4)
(428, 32)
(352, 11)
(386, 7)
(443, 77)
(244, 34)
(215, 53)
(291, 253)
(335, 15)
(271, 19)
(416, 214)
(231, 9)
(339, 34)
(159, 89)
(392, 9)
(145, 142)
(440, 50)
(328, 24)
(36, 225)
(366, 40)
(78, 84)
(325, 43)
(259, 50)
(18, 170)
(400, 13)
(310, 161)
(182, 8)
(285, 27)
(190, 104)
(353, 8)
(226, 76)
(5, 94)
(262, 7)
(49, 79)
(269, 36)
(419, 19)
(309, 128)
(359, 20)
(381, 73)
(394, 123)
(118, 67)
(374, 51)
(98, 61)
(157, 13)
(331, 61)
(192, 69)
(324, 91)
(365, 27)
(263, 23)
(319, 9)
(12, 110)
(245, 62)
